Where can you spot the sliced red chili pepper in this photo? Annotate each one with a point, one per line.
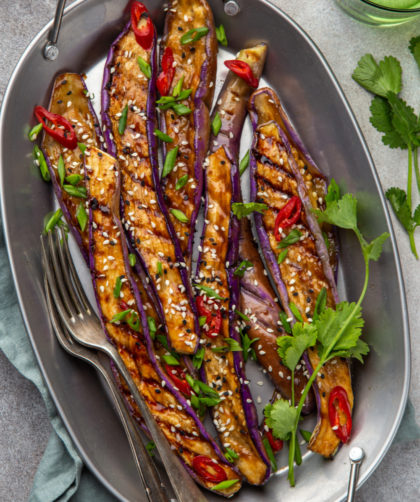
(342, 431)
(285, 218)
(180, 383)
(66, 137)
(243, 70)
(276, 444)
(145, 34)
(124, 305)
(202, 466)
(164, 80)
(214, 322)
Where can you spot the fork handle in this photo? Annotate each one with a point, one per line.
(147, 470)
(184, 487)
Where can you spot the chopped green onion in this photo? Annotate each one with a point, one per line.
(132, 258)
(326, 240)
(34, 132)
(163, 137)
(178, 87)
(242, 316)
(293, 237)
(76, 191)
(144, 67)
(180, 109)
(194, 35)
(282, 256)
(74, 179)
(198, 358)
(270, 453)
(306, 435)
(242, 268)
(170, 161)
(120, 316)
(118, 286)
(244, 164)
(209, 292)
(53, 220)
(159, 268)
(152, 327)
(296, 312)
(221, 35)
(232, 453)
(82, 147)
(202, 320)
(123, 120)
(184, 94)
(171, 360)
(181, 182)
(225, 484)
(285, 322)
(61, 169)
(179, 215)
(151, 445)
(216, 124)
(82, 216)
(134, 325)
(40, 160)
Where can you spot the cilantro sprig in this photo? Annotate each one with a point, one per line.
(335, 332)
(399, 124)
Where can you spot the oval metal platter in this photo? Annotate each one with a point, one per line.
(297, 71)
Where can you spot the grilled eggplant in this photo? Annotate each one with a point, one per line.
(275, 179)
(259, 300)
(70, 99)
(196, 63)
(235, 416)
(116, 293)
(265, 106)
(145, 216)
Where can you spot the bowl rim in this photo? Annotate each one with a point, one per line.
(390, 9)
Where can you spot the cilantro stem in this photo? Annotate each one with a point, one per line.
(291, 475)
(416, 167)
(293, 388)
(413, 243)
(410, 175)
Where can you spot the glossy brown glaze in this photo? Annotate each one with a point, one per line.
(69, 100)
(301, 272)
(269, 107)
(178, 426)
(142, 215)
(190, 58)
(259, 305)
(229, 415)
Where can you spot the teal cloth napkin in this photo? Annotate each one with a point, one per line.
(61, 475)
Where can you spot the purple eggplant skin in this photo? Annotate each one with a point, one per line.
(223, 228)
(232, 101)
(137, 349)
(274, 170)
(52, 150)
(146, 256)
(265, 106)
(198, 68)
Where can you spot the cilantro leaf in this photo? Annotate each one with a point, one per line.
(333, 193)
(241, 209)
(234, 346)
(381, 119)
(373, 250)
(291, 348)
(280, 417)
(151, 446)
(359, 350)
(379, 78)
(404, 119)
(416, 215)
(341, 213)
(415, 49)
(331, 321)
(398, 199)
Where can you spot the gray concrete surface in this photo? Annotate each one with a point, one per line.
(24, 425)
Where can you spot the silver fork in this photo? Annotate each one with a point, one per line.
(78, 317)
(153, 486)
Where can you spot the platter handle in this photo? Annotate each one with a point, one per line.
(51, 50)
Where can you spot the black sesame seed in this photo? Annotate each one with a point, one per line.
(184, 322)
(192, 49)
(208, 345)
(226, 393)
(224, 380)
(96, 124)
(219, 387)
(172, 116)
(59, 101)
(308, 299)
(223, 162)
(181, 449)
(186, 157)
(138, 240)
(100, 154)
(165, 271)
(64, 82)
(322, 376)
(68, 94)
(158, 391)
(142, 183)
(186, 197)
(311, 290)
(183, 55)
(323, 394)
(187, 234)
(180, 28)
(127, 202)
(295, 294)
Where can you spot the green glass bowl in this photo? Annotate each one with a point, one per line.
(368, 12)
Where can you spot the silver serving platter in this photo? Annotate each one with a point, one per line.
(296, 69)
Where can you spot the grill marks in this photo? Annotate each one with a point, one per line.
(218, 368)
(302, 270)
(75, 108)
(143, 218)
(178, 426)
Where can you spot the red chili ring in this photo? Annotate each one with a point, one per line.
(200, 462)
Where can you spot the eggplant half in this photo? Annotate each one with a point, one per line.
(129, 118)
(258, 299)
(196, 64)
(70, 99)
(306, 269)
(218, 299)
(125, 323)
